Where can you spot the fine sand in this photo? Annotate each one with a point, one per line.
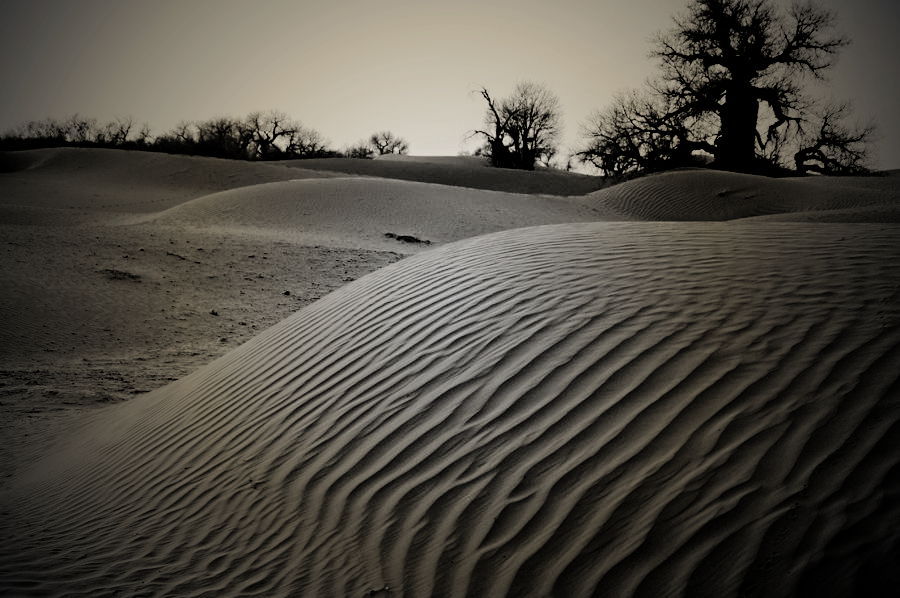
(688, 384)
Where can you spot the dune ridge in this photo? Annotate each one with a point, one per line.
(459, 171)
(613, 409)
(710, 195)
(73, 185)
(360, 210)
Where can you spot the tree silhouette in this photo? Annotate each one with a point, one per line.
(271, 132)
(523, 128)
(731, 84)
(385, 142)
(832, 147)
(361, 150)
(223, 137)
(270, 135)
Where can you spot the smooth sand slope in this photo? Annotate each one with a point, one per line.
(359, 211)
(72, 185)
(607, 408)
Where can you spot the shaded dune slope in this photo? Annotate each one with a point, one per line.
(460, 172)
(358, 211)
(580, 409)
(709, 195)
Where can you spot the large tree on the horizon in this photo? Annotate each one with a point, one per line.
(731, 84)
(385, 142)
(523, 128)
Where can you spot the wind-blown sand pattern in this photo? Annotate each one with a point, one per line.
(614, 409)
(705, 195)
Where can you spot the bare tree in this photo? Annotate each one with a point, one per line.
(641, 133)
(831, 146)
(275, 135)
(733, 71)
(271, 132)
(361, 149)
(224, 137)
(144, 136)
(385, 142)
(523, 128)
(185, 131)
(305, 143)
(79, 129)
(115, 132)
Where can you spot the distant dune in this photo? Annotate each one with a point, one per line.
(57, 185)
(460, 172)
(359, 211)
(683, 385)
(704, 195)
(460, 161)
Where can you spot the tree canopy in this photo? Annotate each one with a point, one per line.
(731, 85)
(522, 129)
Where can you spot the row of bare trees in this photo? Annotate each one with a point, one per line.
(381, 143)
(78, 130)
(268, 135)
(731, 93)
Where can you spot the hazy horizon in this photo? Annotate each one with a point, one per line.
(351, 68)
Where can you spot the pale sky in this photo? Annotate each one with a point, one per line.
(348, 68)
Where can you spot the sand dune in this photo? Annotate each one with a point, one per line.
(114, 262)
(359, 211)
(459, 171)
(645, 409)
(57, 186)
(589, 408)
(461, 161)
(704, 195)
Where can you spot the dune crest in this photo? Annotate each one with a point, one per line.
(712, 195)
(615, 409)
(358, 211)
(459, 171)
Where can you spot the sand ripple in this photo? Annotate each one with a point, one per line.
(570, 410)
(710, 195)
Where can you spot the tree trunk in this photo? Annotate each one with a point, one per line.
(737, 141)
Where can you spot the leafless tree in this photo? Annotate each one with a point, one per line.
(831, 145)
(144, 136)
(184, 131)
(385, 142)
(271, 132)
(361, 149)
(305, 143)
(738, 66)
(522, 129)
(116, 132)
(224, 137)
(79, 129)
(641, 133)
(275, 135)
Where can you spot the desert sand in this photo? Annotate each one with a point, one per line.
(224, 379)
